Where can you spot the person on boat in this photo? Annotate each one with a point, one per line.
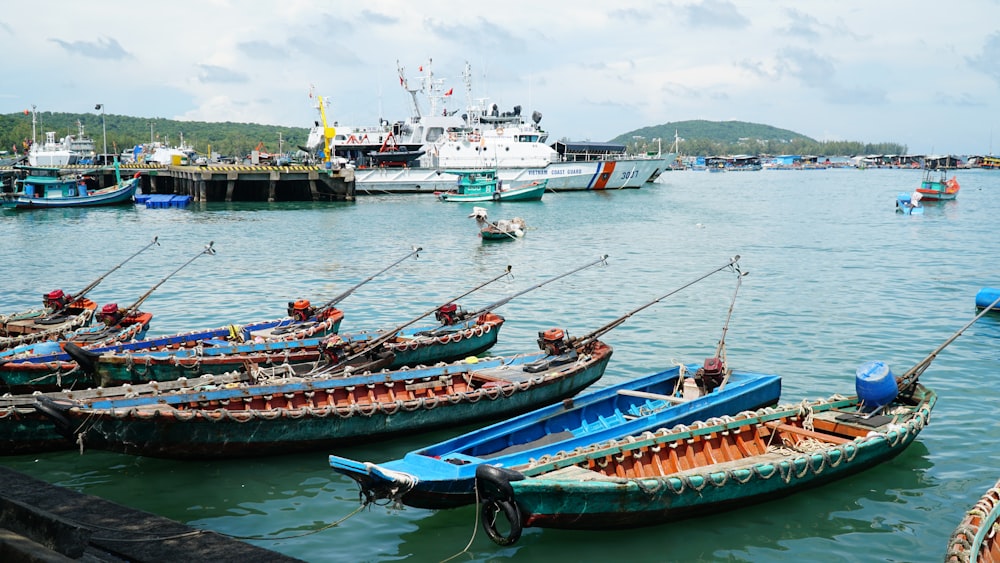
(915, 199)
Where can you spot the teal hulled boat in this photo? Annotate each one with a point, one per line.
(48, 188)
(296, 414)
(483, 185)
(715, 465)
(711, 466)
(940, 188)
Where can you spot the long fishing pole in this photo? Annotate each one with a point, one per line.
(95, 283)
(345, 294)
(588, 338)
(909, 379)
(389, 334)
(207, 250)
(602, 260)
(720, 350)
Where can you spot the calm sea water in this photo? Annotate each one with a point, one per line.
(836, 279)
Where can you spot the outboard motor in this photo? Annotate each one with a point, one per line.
(56, 300)
(710, 375)
(449, 314)
(110, 314)
(335, 349)
(300, 310)
(553, 341)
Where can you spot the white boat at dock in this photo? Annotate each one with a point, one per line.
(481, 137)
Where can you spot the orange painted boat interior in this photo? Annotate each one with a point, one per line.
(431, 388)
(706, 450)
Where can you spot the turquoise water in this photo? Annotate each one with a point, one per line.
(836, 279)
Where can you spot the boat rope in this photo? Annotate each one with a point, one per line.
(475, 525)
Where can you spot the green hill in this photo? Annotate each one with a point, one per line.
(124, 132)
(701, 137)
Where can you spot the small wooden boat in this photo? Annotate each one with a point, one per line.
(975, 538)
(714, 465)
(483, 185)
(443, 475)
(45, 188)
(54, 320)
(297, 414)
(504, 229)
(940, 188)
(61, 313)
(707, 467)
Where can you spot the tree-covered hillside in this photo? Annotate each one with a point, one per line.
(125, 132)
(700, 137)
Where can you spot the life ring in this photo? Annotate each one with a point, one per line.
(490, 510)
(47, 407)
(499, 131)
(85, 359)
(473, 137)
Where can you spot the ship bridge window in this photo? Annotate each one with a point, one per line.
(434, 133)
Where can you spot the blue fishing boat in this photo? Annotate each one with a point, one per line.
(47, 188)
(483, 185)
(443, 475)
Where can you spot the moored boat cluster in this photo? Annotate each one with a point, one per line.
(697, 438)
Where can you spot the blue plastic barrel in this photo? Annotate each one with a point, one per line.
(875, 385)
(986, 297)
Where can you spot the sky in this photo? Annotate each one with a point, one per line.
(922, 74)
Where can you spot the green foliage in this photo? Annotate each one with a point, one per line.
(707, 138)
(125, 132)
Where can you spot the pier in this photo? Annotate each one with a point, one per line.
(205, 183)
(43, 522)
